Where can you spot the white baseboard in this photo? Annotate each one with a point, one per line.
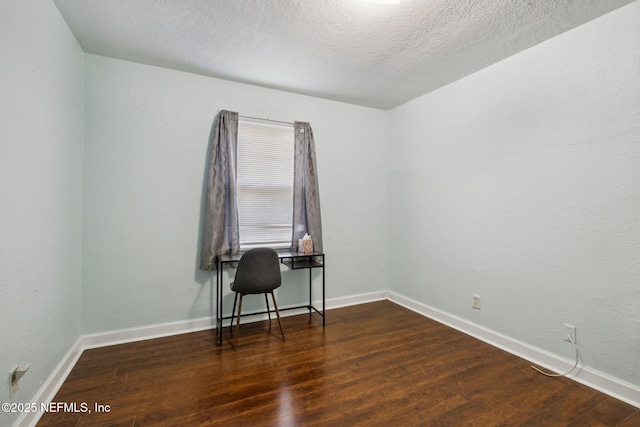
(356, 299)
(611, 386)
(122, 336)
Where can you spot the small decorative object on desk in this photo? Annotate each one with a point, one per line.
(305, 245)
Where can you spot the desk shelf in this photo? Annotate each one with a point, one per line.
(296, 264)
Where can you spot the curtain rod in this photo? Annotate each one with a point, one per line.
(256, 117)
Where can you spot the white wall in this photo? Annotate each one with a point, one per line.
(521, 183)
(41, 138)
(147, 131)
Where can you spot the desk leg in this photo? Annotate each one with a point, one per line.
(219, 277)
(310, 295)
(323, 298)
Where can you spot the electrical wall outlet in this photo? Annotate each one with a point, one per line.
(476, 302)
(13, 382)
(570, 331)
(15, 375)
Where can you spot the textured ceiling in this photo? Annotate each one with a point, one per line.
(346, 50)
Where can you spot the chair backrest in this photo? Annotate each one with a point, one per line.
(258, 272)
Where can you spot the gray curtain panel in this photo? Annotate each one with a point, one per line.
(306, 198)
(220, 231)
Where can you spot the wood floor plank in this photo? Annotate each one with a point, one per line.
(506, 415)
(374, 364)
(610, 412)
(632, 420)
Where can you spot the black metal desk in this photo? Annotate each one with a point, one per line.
(293, 260)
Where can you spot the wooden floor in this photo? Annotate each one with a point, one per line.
(374, 364)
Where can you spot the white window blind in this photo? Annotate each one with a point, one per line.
(265, 183)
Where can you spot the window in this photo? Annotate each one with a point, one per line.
(264, 179)
(265, 183)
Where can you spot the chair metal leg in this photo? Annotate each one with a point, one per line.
(233, 313)
(268, 311)
(277, 313)
(238, 323)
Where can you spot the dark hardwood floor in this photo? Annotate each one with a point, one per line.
(374, 364)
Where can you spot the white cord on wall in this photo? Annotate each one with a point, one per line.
(575, 365)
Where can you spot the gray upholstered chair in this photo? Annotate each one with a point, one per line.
(258, 273)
